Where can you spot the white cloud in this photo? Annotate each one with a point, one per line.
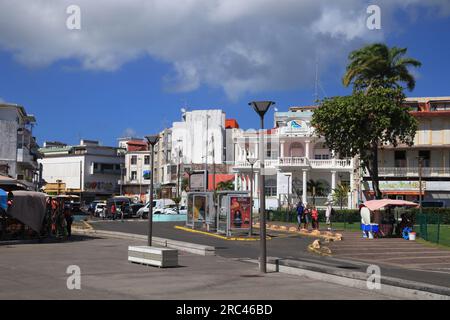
(239, 46)
(129, 132)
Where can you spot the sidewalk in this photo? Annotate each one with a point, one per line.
(106, 274)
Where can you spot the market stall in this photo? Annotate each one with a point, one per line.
(385, 217)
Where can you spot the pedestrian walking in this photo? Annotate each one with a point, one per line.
(306, 217)
(300, 209)
(315, 218)
(113, 211)
(328, 214)
(69, 219)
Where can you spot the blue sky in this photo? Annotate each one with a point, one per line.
(73, 95)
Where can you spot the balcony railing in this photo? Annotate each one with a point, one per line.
(301, 162)
(413, 171)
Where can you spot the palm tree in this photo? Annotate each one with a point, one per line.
(225, 185)
(316, 188)
(378, 65)
(340, 193)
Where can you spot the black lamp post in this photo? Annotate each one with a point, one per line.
(152, 140)
(252, 162)
(261, 108)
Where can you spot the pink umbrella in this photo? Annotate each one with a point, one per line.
(378, 204)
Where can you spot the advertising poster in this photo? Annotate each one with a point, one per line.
(240, 212)
(199, 208)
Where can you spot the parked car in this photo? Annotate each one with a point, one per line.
(158, 205)
(100, 210)
(135, 208)
(92, 205)
(121, 204)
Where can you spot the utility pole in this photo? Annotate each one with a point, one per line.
(420, 184)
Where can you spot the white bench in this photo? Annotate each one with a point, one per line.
(153, 256)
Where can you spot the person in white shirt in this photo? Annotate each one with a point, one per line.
(328, 215)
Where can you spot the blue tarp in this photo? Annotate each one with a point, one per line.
(3, 199)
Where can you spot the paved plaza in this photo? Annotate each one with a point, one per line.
(38, 271)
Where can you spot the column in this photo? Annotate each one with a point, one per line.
(236, 182)
(281, 149)
(307, 143)
(351, 193)
(244, 183)
(305, 180)
(333, 180)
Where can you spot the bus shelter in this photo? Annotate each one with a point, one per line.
(235, 210)
(201, 211)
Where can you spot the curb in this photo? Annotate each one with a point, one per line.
(180, 245)
(325, 235)
(395, 287)
(218, 235)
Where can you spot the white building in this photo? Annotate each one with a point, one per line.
(399, 167)
(200, 137)
(18, 147)
(136, 176)
(88, 168)
(293, 157)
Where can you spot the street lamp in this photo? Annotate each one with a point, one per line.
(152, 140)
(252, 162)
(261, 108)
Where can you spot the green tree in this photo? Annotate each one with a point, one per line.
(225, 185)
(359, 124)
(378, 65)
(374, 114)
(340, 194)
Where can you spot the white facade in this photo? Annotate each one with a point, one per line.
(18, 148)
(93, 170)
(200, 137)
(293, 156)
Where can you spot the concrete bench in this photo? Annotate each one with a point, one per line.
(153, 256)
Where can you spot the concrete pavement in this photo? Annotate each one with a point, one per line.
(38, 271)
(288, 246)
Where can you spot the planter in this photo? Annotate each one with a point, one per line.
(153, 256)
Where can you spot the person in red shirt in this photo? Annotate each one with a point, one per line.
(315, 218)
(113, 211)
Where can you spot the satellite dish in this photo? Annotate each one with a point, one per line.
(183, 110)
(276, 109)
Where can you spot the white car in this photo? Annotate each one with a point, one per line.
(159, 205)
(100, 210)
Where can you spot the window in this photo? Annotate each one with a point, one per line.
(133, 159)
(400, 159)
(270, 187)
(425, 156)
(133, 175)
(440, 106)
(146, 159)
(322, 156)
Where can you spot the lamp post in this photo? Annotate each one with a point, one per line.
(420, 183)
(152, 140)
(252, 162)
(261, 108)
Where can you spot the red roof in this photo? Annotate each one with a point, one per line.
(231, 124)
(219, 178)
(137, 145)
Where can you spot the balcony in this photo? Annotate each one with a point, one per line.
(301, 162)
(24, 156)
(406, 172)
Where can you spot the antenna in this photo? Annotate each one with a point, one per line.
(316, 83)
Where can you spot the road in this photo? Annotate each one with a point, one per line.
(282, 245)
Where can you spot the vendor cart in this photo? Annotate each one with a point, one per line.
(381, 218)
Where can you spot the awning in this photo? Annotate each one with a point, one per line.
(378, 204)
